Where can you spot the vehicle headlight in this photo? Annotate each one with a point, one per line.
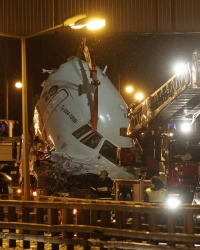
(19, 191)
(173, 202)
(34, 193)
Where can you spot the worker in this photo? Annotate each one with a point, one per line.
(157, 192)
(104, 186)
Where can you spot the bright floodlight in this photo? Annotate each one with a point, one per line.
(185, 127)
(18, 85)
(139, 96)
(129, 89)
(173, 202)
(180, 68)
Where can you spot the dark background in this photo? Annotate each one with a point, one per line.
(144, 61)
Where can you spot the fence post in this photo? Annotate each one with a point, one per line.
(105, 222)
(189, 228)
(40, 220)
(68, 219)
(120, 221)
(83, 218)
(25, 218)
(1, 219)
(170, 227)
(12, 218)
(153, 225)
(93, 217)
(53, 214)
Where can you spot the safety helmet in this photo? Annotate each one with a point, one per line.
(103, 174)
(155, 180)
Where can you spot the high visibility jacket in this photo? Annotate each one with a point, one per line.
(156, 196)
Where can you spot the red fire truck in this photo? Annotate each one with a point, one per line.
(167, 127)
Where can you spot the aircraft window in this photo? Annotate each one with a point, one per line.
(109, 151)
(93, 140)
(81, 131)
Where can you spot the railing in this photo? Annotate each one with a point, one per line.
(93, 225)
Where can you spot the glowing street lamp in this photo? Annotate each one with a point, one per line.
(92, 23)
(139, 96)
(18, 85)
(129, 89)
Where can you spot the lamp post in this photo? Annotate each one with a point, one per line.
(71, 21)
(7, 100)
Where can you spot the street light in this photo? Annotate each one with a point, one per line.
(139, 97)
(18, 85)
(92, 23)
(129, 89)
(71, 21)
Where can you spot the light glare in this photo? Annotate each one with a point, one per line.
(129, 89)
(18, 85)
(185, 127)
(34, 193)
(139, 96)
(90, 23)
(95, 24)
(180, 69)
(173, 202)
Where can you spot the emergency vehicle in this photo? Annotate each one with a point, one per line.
(167, 127)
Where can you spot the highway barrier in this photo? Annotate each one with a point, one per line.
(89, 223)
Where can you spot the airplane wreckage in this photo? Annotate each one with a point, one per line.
(79, 128)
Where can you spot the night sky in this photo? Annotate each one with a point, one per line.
(144, 61)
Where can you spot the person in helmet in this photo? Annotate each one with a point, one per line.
(104, 186)
(157, 192)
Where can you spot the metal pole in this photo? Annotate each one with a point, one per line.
(119, 85)
(7, 100)
(25, 144)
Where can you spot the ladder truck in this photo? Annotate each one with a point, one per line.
(168, 148)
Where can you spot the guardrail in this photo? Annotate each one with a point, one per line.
(92, 225)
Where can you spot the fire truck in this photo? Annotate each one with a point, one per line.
(167, 127)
